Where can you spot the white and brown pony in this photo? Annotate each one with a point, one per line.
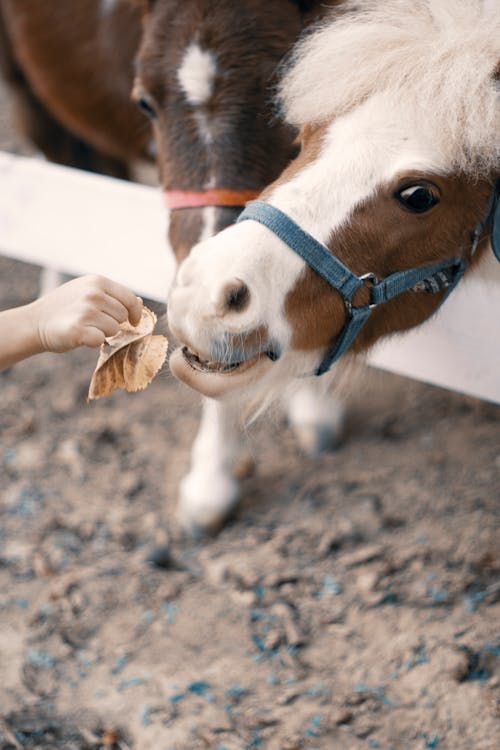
(398, 105)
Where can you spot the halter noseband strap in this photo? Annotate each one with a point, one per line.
(178, 199)
(443, 275)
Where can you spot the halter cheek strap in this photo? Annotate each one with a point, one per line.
(495, 222)
(433, 278)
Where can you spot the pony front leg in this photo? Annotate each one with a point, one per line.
(316, 415)
(210, 491)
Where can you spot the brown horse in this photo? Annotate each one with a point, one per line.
(201, 71)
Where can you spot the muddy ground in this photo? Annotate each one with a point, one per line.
(352, 603)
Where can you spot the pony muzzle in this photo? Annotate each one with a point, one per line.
(217, 379)
(234, 360)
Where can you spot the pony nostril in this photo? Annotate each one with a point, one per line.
(235, 296)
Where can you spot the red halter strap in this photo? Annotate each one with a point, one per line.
(176, 199)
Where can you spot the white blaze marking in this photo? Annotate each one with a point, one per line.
(107, 6)
(152, 149)
(196, 74)
(203, 127)
(209, 223)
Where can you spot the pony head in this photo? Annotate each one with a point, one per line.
(204, 75)
(398, 105)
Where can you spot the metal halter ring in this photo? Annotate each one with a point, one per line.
(373, 279)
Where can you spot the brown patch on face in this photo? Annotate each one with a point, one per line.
(382, 237)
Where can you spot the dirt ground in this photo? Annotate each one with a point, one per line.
(352, 603)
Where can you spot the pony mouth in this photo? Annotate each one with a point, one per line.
(224, 368)
(212, 366)
(216, 378)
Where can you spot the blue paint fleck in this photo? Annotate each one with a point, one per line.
(236, 691)
(259, 592)
(330, 587)
(438, 594)
(256, 741)
(20, 602)
(317, 691)
(311, 730)
(431, 742)
(146, 716)
(472, 599)
(120, 663)
(389, 598)
(377, 691)
(421, 539)
(170, 611)
(131, 682)
(259, 642)
(420, 657)
(177, 697)
(27, 502)
(256, 615)
(40, 659)
(492, 649)
(199, 688)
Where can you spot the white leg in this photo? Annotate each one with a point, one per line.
(316, 416)
(49, 280)
(210, 491)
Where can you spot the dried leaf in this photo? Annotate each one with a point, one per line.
(143, 361)
(130, 359)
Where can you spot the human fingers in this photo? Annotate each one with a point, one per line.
(114, 308)
(103, 322)
(127, 298)
(92, 337)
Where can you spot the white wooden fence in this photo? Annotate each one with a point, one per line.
(78, 223)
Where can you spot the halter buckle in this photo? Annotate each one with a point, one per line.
(373, 279)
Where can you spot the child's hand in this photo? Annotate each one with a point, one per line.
(83, 312)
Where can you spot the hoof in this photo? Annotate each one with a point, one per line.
(206, 503)
(317, 420)
(314, 439)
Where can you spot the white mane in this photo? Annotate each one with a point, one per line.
(438, 57)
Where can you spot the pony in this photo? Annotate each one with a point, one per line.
(393, 197)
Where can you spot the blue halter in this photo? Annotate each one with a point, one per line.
(495, 222)
(433, 278)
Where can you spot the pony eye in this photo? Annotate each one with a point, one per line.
(417, 198)
(145, 105)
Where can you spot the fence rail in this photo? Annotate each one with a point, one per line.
(77, 223)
